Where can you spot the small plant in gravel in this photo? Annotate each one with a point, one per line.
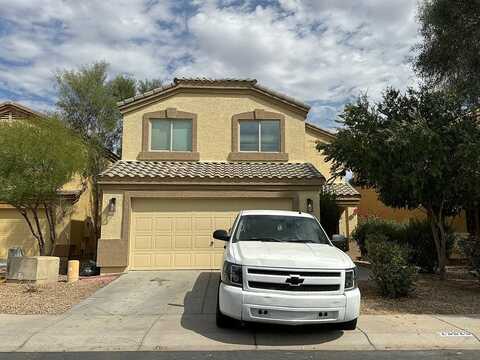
(31, 288)
(392, 273)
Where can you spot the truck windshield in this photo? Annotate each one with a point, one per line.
(278, 228)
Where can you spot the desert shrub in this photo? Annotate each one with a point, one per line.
(391, 271)
(471, 249)
(373, 225)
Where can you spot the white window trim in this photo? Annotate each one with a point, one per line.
(171, 136)
(259, 121)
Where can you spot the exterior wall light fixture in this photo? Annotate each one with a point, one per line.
(112, 205)
(310, 205)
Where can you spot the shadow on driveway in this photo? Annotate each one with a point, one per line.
(199, 316)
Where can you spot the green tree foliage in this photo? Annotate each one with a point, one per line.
(87, 102)
(148, 84)
(37, 157)
(417, 149)
(122, 87)
(449, 56)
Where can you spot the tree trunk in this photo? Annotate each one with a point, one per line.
(440, 238)
(35, 226)
(51, 220)
(42, 247)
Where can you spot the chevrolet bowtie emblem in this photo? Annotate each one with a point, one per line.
(295, 281)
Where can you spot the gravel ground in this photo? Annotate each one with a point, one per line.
(458, 295)
(18, 298)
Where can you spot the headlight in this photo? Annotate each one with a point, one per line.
(351, 279)
(232, 274)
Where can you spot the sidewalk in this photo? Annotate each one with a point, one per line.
(84, 332)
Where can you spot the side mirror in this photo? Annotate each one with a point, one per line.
(340, 242)
(221, 235)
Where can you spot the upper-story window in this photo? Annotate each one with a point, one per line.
(171, 135)
(259, 135)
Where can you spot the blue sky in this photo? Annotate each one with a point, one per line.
(323, 52)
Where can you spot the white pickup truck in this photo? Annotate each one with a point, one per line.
(280, 267)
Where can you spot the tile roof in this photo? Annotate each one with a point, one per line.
(124, 170)
(198, 82)
(341, 189)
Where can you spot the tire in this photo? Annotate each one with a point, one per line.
(223, 321)
(349, 325)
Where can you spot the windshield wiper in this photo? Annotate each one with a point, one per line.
(305, 241)
(264, 239)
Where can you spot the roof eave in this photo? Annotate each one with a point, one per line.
(209, 181)
(132, 104)
(320, 130)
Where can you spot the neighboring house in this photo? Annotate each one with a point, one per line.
(194, 154)
(371, 205)
(76, 237)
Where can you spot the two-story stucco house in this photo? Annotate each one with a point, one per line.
(196, 152)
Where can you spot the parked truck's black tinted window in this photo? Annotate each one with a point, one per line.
(279, 228)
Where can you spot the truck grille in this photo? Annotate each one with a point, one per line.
(294, 272)
(288, 287)
(294, 280)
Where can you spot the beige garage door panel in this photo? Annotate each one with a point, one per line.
(177, 233)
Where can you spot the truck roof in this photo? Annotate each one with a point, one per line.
(276, 212)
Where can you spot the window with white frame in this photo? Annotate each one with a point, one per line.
(259, 135)
(171, 135)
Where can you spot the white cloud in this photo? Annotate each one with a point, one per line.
(323, 52)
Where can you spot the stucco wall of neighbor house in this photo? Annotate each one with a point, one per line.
(214, 124)
(371, 205)
(14, 230)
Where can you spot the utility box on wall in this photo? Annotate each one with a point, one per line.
(36, 269)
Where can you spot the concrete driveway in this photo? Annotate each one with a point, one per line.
(155, 293)
(175, 310)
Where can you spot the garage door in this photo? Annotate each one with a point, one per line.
(177, 234)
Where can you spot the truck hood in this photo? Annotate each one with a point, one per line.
(290, 255)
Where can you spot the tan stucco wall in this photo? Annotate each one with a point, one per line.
(214, 123)
(112, 223)
(352, 219)
(312, 155)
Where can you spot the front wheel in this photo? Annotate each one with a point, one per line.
(349, 325)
